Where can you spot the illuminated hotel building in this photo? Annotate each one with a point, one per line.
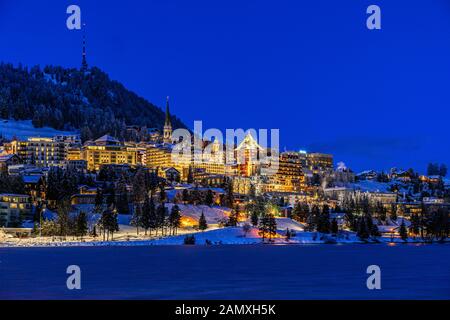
(14, 208)
(319, 161)
(73, 153)
(247, 155)
(107, 150)
(45, 152)
(289, 176)
(20, 148)
(160, 157)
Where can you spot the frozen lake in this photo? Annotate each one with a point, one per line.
(227, 272)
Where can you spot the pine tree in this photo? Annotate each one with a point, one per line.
(256, 209)
(363, 232)
(393, 214)
(381, 210)
(296, 212)
(288, 234)
(109, 223)
(82, 226)
(271, 226)
(185, 196)
(136, 219)
(230, 195)
(63, 210)
(246, 229)
(122, 196)
(111, 199)
(403, 232)
(312, 219)
(162, 193)
(374, 231)
(323, 221)
(175, 219)
(233, 218)
(334, 227)
(263, 226)
(153, 219)
(415, 224)
(145, 220)
(98, 201)
(209, 198)
(254, 218)
(94, 231)
(202, 225)
(160, 218)
(139, 187)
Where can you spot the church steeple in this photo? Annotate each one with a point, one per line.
(84, 64)
(168, 122)
(167, 125)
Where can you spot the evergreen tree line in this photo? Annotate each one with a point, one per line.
(429, 224)
(315, 218)
(65, 224)
(67, 99)
(261, 217)
(156, 219)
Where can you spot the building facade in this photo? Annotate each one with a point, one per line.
(14, 208)
(107, 150)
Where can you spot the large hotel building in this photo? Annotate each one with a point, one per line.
(245, 169)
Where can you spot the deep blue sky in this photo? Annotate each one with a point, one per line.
(374, 99)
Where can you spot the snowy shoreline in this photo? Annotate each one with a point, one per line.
(229, 236)
(178, 241)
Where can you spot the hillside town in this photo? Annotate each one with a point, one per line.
(60, 189)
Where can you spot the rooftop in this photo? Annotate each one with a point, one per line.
(107, 139)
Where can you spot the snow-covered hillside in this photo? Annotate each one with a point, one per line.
(24, 128)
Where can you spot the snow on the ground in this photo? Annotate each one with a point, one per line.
(24, 129)
(371, 186)
(230, 235)
(287, 223)
(213, 215)
(221, 236)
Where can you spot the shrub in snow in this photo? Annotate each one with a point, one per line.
(189, 239)
(246, 229)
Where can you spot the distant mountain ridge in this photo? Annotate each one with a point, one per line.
(68, 99)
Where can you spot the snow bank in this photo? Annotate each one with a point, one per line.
(24, 129)
(287, 223)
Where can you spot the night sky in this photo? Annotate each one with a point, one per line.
(373, 98)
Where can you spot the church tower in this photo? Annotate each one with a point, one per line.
(167, 125)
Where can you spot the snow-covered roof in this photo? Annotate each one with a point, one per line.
(32, 178)
(107, 139)
(249, 142)
(371, 186)
(366, 172)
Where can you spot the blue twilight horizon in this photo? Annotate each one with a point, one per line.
(372, 98)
